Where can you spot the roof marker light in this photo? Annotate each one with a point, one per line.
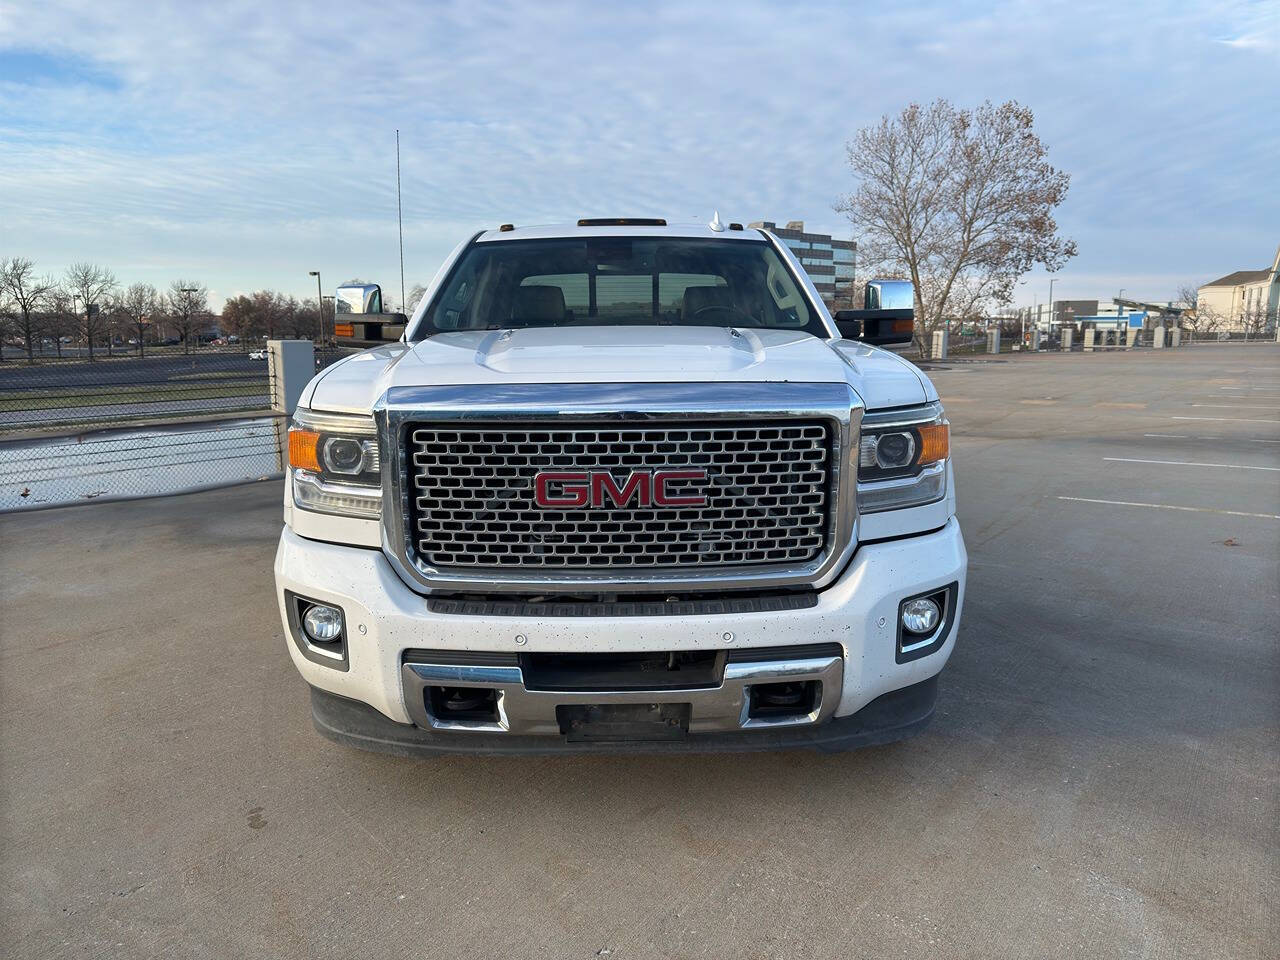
(621, 222)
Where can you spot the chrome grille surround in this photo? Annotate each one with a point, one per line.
(409, 418)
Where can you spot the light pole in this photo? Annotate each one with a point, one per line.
(1052, 281)
(187, 313)
(319, 300)
(75, 312)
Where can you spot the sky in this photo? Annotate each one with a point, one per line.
(241, 145)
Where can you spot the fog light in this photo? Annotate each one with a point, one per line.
(920, 615)
(322, 623)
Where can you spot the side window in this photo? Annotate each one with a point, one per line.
(453, 308)
(789, 305)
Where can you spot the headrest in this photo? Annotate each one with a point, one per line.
(538, 305)
(699, 298)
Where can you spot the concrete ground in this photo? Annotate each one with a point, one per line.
(1101, 780)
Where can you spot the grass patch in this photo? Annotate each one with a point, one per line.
(54, 398)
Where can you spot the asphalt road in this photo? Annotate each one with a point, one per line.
(1101, 779)
(58, 395)
(123, 370)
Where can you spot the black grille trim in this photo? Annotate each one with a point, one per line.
(804, 651)
(760, 603)
(463, 658)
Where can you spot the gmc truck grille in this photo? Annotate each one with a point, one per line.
(761, 492)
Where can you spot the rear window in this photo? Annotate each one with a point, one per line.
(620, 281)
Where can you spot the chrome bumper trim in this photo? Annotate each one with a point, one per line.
(714, 709)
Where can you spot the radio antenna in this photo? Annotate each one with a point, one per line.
(400, 220)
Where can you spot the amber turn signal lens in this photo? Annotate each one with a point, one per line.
(303, 446)
(935, 442)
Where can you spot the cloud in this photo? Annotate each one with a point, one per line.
(248, 143)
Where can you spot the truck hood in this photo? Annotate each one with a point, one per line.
(613, 355)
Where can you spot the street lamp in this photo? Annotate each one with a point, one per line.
(319, 300)
(1052, 281)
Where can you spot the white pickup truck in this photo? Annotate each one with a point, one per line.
(622, 485)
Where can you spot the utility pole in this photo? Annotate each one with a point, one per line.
(400, 220)
(1052, 281)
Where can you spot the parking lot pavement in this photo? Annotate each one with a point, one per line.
(1101, 779)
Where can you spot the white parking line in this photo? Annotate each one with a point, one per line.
(1228, 419)
(1235, 406)
(1187, 436)
(1186, 463)
(1167, 506)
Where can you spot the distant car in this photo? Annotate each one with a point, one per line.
(233, 339)
(258, 355)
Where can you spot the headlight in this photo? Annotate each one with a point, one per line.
(902, 458)
(334, 464)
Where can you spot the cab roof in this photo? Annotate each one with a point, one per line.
(622, 228)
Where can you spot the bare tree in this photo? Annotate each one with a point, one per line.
(238, 317)
(304, 321)
(960, 201)
(416, 293)
(92, 284)
(8, 318)
(270, 311)
(187, 302)
(60, 320)
(136, 308)
(1200, 319)
(1254, 318)
(27, 293)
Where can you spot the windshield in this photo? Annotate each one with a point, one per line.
(617, 281)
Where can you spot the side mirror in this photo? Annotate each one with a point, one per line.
(359, 319)
(358, 298)
(888, 316)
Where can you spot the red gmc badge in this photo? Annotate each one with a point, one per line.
(572, 490)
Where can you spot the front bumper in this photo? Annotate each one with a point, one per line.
(893, 716)
(385, 621)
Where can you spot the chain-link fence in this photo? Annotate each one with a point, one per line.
(153, 460)
(142, 425)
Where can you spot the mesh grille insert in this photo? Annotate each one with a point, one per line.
(471, 495)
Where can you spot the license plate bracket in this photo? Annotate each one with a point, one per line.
(616, 722)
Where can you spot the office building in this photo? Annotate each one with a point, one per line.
(829, 262)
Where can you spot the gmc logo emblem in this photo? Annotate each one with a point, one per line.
(643, 488)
